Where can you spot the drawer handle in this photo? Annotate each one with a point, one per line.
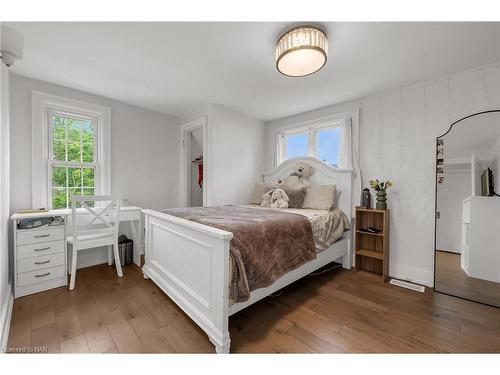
(44, 262)
(41, 235)
(43, 274)
(43, 249)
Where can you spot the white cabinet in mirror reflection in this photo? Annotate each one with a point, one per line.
(481, 238)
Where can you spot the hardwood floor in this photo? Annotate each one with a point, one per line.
(338, 311)
(450, 278)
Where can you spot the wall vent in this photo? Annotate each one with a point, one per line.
(407, 285)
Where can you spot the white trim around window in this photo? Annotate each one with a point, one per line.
(42, 106)
(342, 121)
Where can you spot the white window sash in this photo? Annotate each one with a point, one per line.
(45, 105)
(345, 147)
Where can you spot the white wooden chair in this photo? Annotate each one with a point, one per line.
(96, 228)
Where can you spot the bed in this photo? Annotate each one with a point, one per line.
(190, 261)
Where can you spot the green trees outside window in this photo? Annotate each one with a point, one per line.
(73, 164)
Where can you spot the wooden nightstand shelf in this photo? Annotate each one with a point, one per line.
(372, 249)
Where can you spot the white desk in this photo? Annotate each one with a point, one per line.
(40, 254)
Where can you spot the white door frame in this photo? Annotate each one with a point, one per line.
(186, 130)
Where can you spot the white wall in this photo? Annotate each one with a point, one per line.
(397, 133)
(236, 155)
(145, 147)
(5, 284)
(451, 194)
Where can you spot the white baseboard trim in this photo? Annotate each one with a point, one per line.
(5, 322)
(412, 274)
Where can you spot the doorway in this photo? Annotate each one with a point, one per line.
(194, 163)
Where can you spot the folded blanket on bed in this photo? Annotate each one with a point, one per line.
(266, 244)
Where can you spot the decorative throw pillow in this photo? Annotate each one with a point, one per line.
(321, 197)
(259, 190)
(296, 197)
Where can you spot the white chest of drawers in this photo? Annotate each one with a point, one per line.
(39, 259)
(40, 256)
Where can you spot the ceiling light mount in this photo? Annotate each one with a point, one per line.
(301, 51)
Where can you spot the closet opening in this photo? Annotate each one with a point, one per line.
(194, 163)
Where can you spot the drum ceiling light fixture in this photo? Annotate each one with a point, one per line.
(301, 51)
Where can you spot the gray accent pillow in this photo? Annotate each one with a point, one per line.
(259, 190)
(320, 197)
(296, 197)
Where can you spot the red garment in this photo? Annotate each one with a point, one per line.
(200, 175)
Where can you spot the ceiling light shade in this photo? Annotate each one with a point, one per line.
(301, 51)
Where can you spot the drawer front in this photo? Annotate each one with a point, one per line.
(38, 276)
(35, 250)
(38, 236)
(41, 262)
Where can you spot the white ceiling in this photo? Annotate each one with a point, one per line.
(174, 67)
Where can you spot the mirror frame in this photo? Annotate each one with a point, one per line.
(435, 202)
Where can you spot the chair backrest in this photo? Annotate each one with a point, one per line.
(101, 215)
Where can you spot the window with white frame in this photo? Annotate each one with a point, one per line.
(329, 142)
(71, 150)
(73, 157)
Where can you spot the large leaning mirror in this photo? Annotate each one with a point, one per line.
(467, 246)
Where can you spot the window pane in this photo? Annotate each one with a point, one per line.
(74, 130)
(88, 152)
(73, 139)
(74, 151)
(328, 143)
(75, 177)
(59, 198)
(59, 150)
(296, 145)
(59, 128)
(87, 132)
(59, 177)
(88, 178)
(89, 192)
(74, 191)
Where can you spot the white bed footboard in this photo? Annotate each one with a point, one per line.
(190, 263)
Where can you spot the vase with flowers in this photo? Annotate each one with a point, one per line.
(380, 188)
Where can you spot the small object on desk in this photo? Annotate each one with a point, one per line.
(31, 223)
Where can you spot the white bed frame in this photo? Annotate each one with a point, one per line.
(190, 261)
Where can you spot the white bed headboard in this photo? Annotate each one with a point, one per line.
(324, 174)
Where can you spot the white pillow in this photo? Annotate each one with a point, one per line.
(320, 197)
(259, 190)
